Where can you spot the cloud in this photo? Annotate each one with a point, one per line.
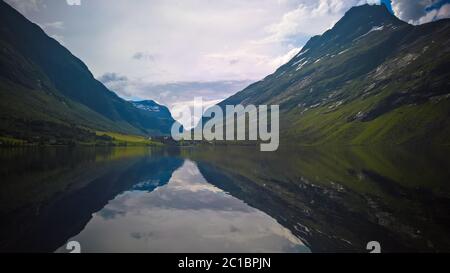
(117, 83)
(190, 40)
(73, 2)
(233, 61)
(193, 40)
(175, 95)
(279, 61)
(143, 56)
(173, 92)
(112, 77)
(421, 11)
(311, 18)
(53, 25)
(434, 14)
(410, 10)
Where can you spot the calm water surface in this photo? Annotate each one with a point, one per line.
(223, 199)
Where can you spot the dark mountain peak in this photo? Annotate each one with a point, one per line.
(361, 19)
(369, 9)
(357, 22)
(369, 14)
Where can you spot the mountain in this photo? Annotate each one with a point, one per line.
(45, 91)
(370, 79)
(160, 115)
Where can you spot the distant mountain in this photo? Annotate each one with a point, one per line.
(370, 79)
(45, 91)
(160, 115)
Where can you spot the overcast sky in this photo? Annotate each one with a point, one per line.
(172, 51)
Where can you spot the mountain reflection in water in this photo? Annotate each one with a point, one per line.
(223, 199)
(187, 214)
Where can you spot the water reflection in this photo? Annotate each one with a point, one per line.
(48, 195)
(186, 215)
(224, 199)
(338, 200)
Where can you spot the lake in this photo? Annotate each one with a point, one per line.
(224, 199)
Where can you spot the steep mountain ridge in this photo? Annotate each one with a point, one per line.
(44, 85)
(370, 79)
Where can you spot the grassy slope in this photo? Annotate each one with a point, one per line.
(48, 95)
(33, 110)
(129, 140)
(396, 77)
(426, 123)
(425, 118)
(39, 116)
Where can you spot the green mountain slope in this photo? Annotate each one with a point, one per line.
(370, 79)
(45, 91)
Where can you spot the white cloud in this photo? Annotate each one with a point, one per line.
(435, 14)
(280, 60)
(172, 93)
(53, 25)
(143, 56)
(410, 10)
(186, 41)
(73, 2)
(311, 18)
(420, 11)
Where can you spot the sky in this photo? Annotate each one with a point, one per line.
(174, 50)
